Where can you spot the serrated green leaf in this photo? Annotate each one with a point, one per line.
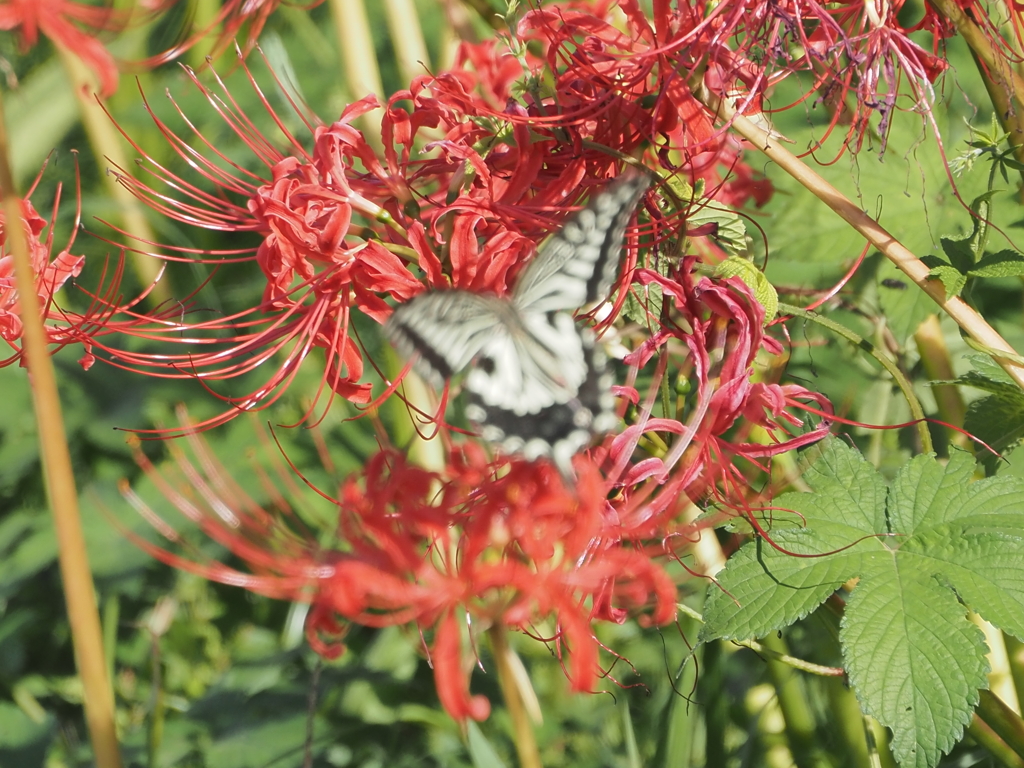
(730, 230)
(987, 375)
(1005, 263)
(647, 307)
(998, 421)
(915, 661)
(958, 252)
(953, 280)
(747, 271)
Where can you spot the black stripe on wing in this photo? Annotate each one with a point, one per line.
(557, 431)
(444, 330)
(578, 264)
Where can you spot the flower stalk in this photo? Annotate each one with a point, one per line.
(79, 592)
(526, 742)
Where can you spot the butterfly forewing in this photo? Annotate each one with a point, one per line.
(444, 330)
(578, 264)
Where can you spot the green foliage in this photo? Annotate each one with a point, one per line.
(998, 418)
(918, 546)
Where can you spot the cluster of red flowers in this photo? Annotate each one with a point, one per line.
(469, 180)
(478, 164)
(62, 326)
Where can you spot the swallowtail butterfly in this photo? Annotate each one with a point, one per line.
(537, 384)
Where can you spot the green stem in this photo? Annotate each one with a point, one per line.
(937, 365)
(1004, 721)
(526, 742)
(901, 381)
(796, 710)
(987, 738)
(768, 651)
(79, 592)
(359, 60)
(407, 38)
(1015, 652)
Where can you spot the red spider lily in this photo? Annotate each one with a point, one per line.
(505, 542)
(698, 447)
(480, 543)
(739, 51)
(65, 23)
(63, 327)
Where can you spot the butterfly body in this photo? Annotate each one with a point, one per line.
(536, 383)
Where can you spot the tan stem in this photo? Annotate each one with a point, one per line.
(105, 142)
(964, 315)
(79, 592)
(407, 38)
(359, 60)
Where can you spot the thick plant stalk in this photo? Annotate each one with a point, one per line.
(964, 315)
(79, 593)
(359, 60)
(796, 710)
(526, 742)
(407, 38)
(106, 143)
(935, 359)
(1003, 720)
(1002, 70)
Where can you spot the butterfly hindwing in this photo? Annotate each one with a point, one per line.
(578, 264)
(558, 428)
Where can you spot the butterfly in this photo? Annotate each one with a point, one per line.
(536, 383)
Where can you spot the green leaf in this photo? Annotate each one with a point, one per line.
(953, 280)
(958, 252)
(481, 752)
(921, 546)
(988, 375)
(998, 421)
(1005, 263)
(23, 741)
(643, 304)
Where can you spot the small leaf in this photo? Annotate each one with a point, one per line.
(481, 752)
(1005, 263)
(953, 280)
(747, 271)
(998, 421)
(958, 251)
(643, 304)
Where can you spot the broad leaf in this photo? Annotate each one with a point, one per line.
(922, 547)
(1006, 263)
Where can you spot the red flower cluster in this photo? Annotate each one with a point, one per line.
(63, 327)
(469, 179)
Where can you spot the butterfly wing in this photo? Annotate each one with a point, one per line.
(444, 330)
(578, 264)
(519, 403)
